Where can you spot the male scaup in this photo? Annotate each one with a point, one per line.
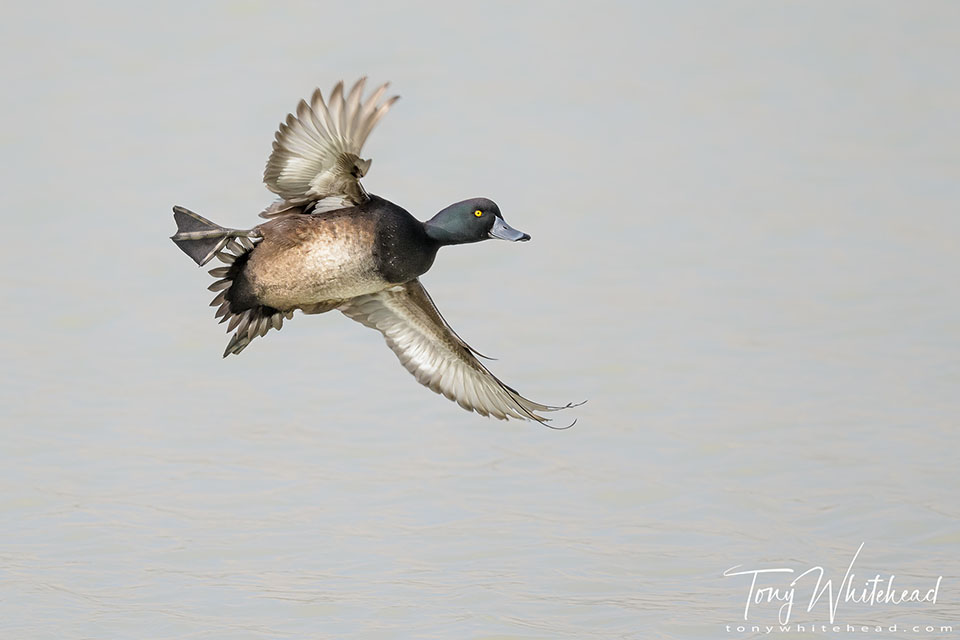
(330, 245)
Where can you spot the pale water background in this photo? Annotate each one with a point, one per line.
(745, 255)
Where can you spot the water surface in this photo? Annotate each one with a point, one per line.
(744, 256)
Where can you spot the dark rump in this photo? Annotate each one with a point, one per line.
(240, 294)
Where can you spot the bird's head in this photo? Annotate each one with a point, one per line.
(471, 221)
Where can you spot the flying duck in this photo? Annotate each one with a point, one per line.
(328, 244)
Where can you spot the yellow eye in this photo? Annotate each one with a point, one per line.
(478, 213)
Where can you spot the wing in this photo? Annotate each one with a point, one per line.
(316, 153)
(435, 355)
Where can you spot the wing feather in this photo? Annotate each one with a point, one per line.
(430, 350)
(364, 123)
(336, 100)
(353, 107)
(316, 151)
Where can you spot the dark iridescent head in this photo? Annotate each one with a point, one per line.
(471, 221)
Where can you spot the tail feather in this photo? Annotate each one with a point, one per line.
(250, 324)
(236, 303)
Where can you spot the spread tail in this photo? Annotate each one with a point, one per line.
(236, 303)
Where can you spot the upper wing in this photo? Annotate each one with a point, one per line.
(435, 355)
(316, 153)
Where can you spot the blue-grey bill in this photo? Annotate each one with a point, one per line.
(505, 232)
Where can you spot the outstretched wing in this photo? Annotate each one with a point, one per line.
(316, 153)
(435, 355)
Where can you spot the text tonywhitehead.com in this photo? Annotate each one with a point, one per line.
(838, 628)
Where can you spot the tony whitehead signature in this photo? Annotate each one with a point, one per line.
(876, 590)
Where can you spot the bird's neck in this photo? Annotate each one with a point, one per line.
(442, 235)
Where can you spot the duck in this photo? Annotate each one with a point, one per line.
(329, 245)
